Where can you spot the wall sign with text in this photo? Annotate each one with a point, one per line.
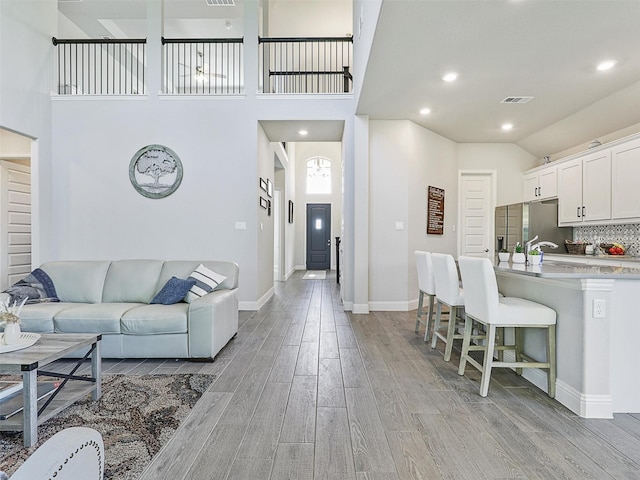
(435, 210)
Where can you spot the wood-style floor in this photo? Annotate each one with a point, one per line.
(307, 391)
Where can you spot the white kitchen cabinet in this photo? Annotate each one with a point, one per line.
(584, 189)
(596, 186)
(541, 184)
(570, 192)
(625, 181)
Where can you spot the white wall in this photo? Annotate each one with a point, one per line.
(25, 84)
(404, 160)
(265, 223)
(303, 152)
(509, 161)
(99, 215)
(328, 18)
(389, 170)
(289, 194)
(365, 19)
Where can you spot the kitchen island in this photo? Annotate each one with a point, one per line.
(597, 328)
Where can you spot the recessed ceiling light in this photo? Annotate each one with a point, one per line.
(606, 65)
(302, 132)
(425, 111)
(450, 77)
(507, 126)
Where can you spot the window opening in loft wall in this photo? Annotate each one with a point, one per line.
(318, 175)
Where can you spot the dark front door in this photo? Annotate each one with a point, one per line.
(318, 236)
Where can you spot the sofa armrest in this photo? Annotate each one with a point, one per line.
(212, 322)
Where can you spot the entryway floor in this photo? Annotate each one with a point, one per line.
(315, 275)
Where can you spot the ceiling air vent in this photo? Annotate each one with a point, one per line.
(516, 99)
(221, 3)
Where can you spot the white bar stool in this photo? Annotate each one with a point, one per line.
(449, 293)
(426, 286)
(484, 305)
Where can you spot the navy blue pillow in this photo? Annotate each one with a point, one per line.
(173, 291)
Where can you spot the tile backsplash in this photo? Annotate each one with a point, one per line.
(627, 234)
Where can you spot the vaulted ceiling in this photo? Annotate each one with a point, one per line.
(543, 49)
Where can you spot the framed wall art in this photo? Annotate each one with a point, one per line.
(263, 184)
(435, 211)
(263, 202)
(290, 211)
(269, 188)
(155, 171)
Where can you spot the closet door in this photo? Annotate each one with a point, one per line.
(15, 222)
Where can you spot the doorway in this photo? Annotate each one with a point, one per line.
(15, 222)
(477, 203)
(318, 236)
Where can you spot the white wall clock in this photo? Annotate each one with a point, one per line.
(155, 171)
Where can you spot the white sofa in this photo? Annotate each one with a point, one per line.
(112, 298)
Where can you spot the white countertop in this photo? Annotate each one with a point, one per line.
(559, 269)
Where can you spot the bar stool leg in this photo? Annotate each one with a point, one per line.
(500, 341)
(519, 341)
(429, 318)
(451, 330)
(551, 359)
(419, 315)
(488, 360)
(466, 342)
(436, 327)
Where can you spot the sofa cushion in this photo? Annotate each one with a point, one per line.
(131, 281)
(206, 281)
(39, 316)
(155, 319)
(173, 291)
(183, 268)
(92, 318)
(77, 281)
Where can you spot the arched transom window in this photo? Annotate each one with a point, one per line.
(318, 175)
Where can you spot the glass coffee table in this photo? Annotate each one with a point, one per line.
(38, 406)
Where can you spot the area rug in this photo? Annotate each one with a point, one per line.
(136, 415)
(315, 275)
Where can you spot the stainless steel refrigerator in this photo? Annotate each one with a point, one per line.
(521, 221)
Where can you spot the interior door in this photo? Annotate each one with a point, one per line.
(318, 236)
(476, 225)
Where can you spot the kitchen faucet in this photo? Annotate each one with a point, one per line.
(534, 246)
(544, 244)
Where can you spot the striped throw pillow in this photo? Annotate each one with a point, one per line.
(206, 281)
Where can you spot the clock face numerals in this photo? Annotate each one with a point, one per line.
(155, 171)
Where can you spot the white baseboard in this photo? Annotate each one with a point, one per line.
(586, 406)
(253, 306)
(360, 308)
(390, 306)
(381, 307)
(300, 267)
(289, 273)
